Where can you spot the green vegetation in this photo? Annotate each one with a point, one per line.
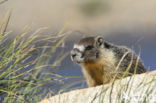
(91, 8)
(27, 68)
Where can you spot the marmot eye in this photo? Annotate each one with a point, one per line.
(89, 47)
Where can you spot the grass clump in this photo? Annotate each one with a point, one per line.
(27, 70)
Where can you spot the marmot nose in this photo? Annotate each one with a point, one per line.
(73, 55)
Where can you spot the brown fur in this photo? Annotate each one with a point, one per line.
(99, 72)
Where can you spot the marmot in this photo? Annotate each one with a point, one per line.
(102, 61)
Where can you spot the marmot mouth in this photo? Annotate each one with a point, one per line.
(78, 60)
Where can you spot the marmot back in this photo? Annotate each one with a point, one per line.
(102, 61)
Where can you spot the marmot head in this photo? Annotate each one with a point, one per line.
(88, 49)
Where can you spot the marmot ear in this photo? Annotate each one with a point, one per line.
(99, 41)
